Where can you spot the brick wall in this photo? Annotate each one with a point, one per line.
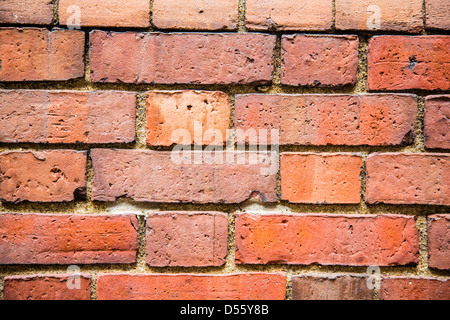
(232, 149)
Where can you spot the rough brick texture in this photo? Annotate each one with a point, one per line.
(46, 176)
(187, 117)
(32, 54)
(414, 288)
(198, 15)
(437, 14)
(39, 116)
(152, 176)
(415, 62)
(375, 120)
(331, 287)
(289, 15)
(67, 239)
(408, 178)
(190, 58)
(100, 13)
(439, 241)
(26, 11)
(320, 61)
(389, 15)
(47, 287)
(437, 122)
(320, 178)
(249, 286)
(325, 239)
(187, 239)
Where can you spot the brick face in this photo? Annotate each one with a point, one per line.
(32, 54)
(198, 15)
(289, 15)
(46, 176)
(397, 178)
(437, 122)
(375, 120)
(99, 13)
(414, 288)
(439, 241)
(200, 117)
(403, 63)
(67, 239)
(305, 239)
(192, 58)
(39, 116)
(187, 239)
(46, 287)
(394, 15)
(320, 178)
(319, 61)
(249, 286)
(139, 175)
(26, 11)
(437, 14)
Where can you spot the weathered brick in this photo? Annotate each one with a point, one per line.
(47, 176)
(321, 178)
(409, 62)
(191, 58)
(47, 287)
(248, 286)
(198, 15)
(32, 54)
(414, 288)
(289, 15)
(437, 122)
(331, 287)
(67, 239)
(40, 116)
(408, 178)
(26, 11)
(387, 15)
(439, 241)
(326, 239)
(100, 13)
(368, 119)
(437, 14)
(154, 176)
(200, 117)
(187, 239)
(320, 61)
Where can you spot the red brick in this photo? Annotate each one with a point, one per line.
(32, 54)
(40, 116)
(289, 15)
(437, 14)
(47, 176)
(394, 15)
(198, 15)
(408, 178)
(187, 239)
(321, 178)
(321, 61)
(368, 119)
(439, 241)
(437, 122)
(331, 287)
(409, 62)
(414, 288)
(206, 113)
(191, 58)
(67, 239)
(325, 239)
(100, 13)
(156, 176)
(26, 11)
(249, 286)
(47, 287)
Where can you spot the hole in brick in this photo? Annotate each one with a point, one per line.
(189, 107)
